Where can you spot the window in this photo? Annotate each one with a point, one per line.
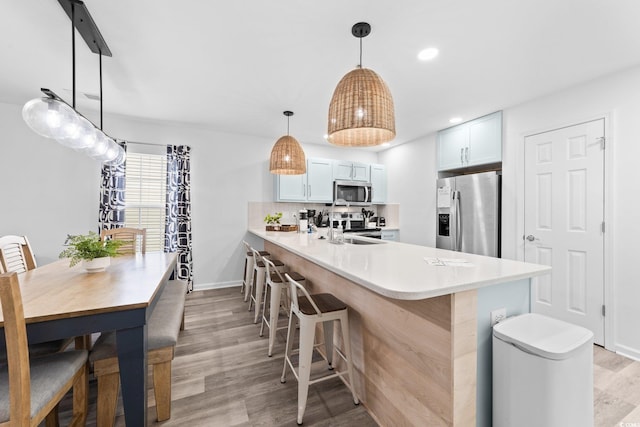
(145, 196)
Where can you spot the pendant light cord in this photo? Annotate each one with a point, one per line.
(360, 52)
(287, 125)
(73, 52)
(100, 56)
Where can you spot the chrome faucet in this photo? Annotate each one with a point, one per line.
(332, 237)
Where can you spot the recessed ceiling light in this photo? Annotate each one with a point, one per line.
(428, 54)
(455, 119)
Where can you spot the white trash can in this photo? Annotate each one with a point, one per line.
(542, 373)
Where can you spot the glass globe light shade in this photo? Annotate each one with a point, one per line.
(48, 117)
(119, 159)
(111, 153)
(82, 136)
(99, 147)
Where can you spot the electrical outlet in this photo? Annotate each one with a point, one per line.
(498, 316)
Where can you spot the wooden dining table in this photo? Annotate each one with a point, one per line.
(61, 301)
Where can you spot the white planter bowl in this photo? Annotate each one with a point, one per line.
(97, 264)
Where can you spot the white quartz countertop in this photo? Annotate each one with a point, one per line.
(403, 271)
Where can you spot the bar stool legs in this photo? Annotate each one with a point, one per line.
(258, 281)
(307, 312)
(276, 283)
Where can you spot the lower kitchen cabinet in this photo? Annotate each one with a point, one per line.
(390, 234)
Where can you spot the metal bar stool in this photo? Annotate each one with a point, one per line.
(256, 284)
(311, 310)
(248, 269)
(276, 283)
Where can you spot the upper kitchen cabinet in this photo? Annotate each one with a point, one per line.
(314, 186)
(473, 143)
(378, 184)
(320, 180)
(351, 171)
(291, 188)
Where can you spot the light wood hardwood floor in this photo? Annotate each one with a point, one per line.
(223, 377)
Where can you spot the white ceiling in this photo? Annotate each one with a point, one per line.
(236, 65)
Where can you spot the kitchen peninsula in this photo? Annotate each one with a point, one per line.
(414, 321)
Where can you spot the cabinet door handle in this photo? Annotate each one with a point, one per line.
(304, 190)
(462, 156)
(466, 154)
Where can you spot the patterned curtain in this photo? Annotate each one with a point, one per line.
(177, 236)
(112, 195)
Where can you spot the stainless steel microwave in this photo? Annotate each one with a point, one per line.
(352, 192)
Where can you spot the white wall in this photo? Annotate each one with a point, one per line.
(50, 190)
(411, 182)
(616, 97)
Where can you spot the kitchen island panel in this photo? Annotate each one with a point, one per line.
(415, 360)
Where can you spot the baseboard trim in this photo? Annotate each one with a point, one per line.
(628, 352)
(218, 285)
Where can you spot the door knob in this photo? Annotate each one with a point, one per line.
(531, 237)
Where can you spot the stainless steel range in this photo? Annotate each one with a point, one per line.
(354, 224)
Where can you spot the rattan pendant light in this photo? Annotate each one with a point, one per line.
(361, 111)
(287, 156)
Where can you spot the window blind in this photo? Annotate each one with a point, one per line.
(145, 196)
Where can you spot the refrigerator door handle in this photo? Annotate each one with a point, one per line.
(458, 237)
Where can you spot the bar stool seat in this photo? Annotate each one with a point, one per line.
(311, 310)
(248, 269)
(273, 295)
(256, 284)
(325, 302)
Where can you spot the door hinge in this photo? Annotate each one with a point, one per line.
(603, 310)
(602, 226)
(602, 140)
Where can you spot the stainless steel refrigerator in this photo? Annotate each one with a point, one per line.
(469, 213)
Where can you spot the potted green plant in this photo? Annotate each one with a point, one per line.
(273, 221)
(94, 253)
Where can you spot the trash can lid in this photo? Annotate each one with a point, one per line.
(543, 336)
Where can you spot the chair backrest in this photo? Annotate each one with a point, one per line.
(247, 246)
(270, 268)
(137, 238)
(15, 333)
(294, 288)
(16, 254)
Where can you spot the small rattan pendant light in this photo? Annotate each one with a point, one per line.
(287, 156)
(361, 111)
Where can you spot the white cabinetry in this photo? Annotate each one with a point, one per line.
(319, 180)
(389, 234)
(350, 171)
(291, 188)
(314, 186)
(477, 142)
(378, 184)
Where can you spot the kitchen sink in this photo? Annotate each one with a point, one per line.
(363, 242)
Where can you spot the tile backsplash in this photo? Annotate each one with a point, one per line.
(258, 210)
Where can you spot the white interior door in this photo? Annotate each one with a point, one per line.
(563, 220)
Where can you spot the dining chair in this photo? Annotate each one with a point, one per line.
(136, 238)
(16, 256)
(31, 388)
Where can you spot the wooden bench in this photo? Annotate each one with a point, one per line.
(162, 335)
